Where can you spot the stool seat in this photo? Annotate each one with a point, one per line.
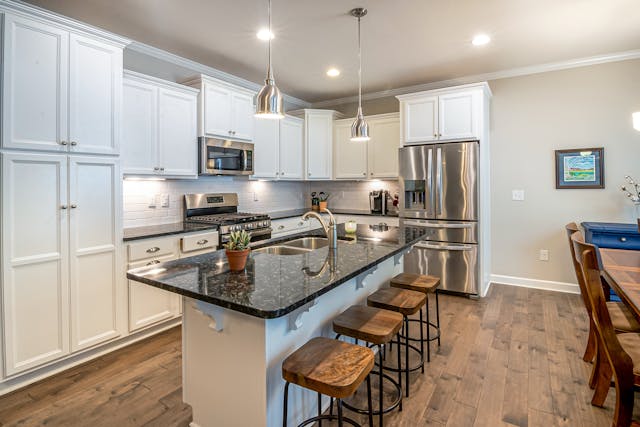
(330, 367)
(370, 324)
(401, 300)
(416, 282)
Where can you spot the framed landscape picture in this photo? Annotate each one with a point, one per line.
(580, 168)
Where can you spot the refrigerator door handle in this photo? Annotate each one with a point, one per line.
(438, 225)
(429, 180)
(421, 245)
(439, 181)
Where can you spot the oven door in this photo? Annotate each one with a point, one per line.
(223, 157)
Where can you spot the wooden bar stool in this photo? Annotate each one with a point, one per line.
(377, 327)
(427, 285)
(330, 367)
(406, 303)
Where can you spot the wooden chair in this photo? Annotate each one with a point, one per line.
(621, 318)
(620, 351)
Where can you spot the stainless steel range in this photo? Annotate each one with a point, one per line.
(222, 209)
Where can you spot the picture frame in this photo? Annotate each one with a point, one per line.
(579, 168)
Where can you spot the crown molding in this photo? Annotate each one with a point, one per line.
(199, 68)
(514, 72)
(27, 10)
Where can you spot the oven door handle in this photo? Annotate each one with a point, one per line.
(260, 232)
(443, 247)
(438, 225)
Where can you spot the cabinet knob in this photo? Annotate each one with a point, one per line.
(277, 173)
(74, 206)
(156, 168)
(439, 135)
(435, 135)
(282, 173)
(364, 174)
(63, 142)
(234, 132)
(161, 169)
(63, 207)
(623, 239)
(280, 227)
(74, 143)
(309, 173)
(202, 242)
(155, 261)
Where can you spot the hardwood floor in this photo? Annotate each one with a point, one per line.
(511, 359)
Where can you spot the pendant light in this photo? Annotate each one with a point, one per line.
(359, 128)
(269, 99)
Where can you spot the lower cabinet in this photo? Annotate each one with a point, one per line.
(60, 265)
(286, 226)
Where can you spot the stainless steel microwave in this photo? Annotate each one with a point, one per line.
(224, 157)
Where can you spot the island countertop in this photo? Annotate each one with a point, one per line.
(273, 285)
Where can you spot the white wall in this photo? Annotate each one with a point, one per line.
(531, 117)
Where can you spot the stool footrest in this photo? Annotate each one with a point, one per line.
(389, 408)
(329, 417)
(433, 338)
(414, 368)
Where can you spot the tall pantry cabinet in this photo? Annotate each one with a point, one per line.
(61, 198)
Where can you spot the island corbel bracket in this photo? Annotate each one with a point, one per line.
(212, 312)
(360, 280)
(397, 257)
(295, 317)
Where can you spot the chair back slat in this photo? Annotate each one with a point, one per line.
(572, 229)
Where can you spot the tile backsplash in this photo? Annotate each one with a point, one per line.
(143, 199)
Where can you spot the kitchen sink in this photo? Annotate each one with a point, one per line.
(282, 250)
(311, 243)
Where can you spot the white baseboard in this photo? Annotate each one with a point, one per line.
(548, 285)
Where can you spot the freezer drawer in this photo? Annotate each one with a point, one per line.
(445, 231)
(455, 264)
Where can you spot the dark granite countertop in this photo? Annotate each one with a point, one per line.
(138, 233)
(274, 285)
(299, 212)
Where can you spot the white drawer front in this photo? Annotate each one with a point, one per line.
(288, 225)
(196, 242)
(151, 249)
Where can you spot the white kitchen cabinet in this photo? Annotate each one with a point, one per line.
(159, 128)
(368, 219)
(443, 115)
(60, 260)
(373, 159)
(279, 148)
(95, 272)
(62, 91)
(286, 226)
(224, 110)
(319, 143)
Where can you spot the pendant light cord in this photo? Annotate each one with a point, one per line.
(359, 70)
(269, 72)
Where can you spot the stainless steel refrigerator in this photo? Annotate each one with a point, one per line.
(439, 191)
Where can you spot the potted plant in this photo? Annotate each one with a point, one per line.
(237, 250)
(323, 200)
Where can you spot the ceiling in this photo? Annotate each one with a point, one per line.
(405, 42)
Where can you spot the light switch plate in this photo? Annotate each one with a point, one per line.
(544, 255)
(164, 200)
(152, 201)
(517, 195)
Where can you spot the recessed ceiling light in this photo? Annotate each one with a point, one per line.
(481, 40)
(333, 72)
(265, 34)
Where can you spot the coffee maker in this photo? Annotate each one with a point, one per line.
(378, 202)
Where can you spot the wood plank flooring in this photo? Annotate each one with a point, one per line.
(511, 359)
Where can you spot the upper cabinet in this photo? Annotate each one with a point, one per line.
(62, 90)
(318, 136)
(279, 149)
(159, 127)
(444, 114)
(374, 159)
(225, 111)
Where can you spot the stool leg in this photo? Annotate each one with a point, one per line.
(428, 334)
(438, 316)
(399, 370)
(380, 386)
(286, 399)
(369, 402)
(319, 409)
(331, 406)
(406, 354)
(339, 412)
(422, 336)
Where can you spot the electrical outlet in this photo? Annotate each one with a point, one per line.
(152, 201)
(517, 195)
(164, 200)
(255, 196)
(544, 255)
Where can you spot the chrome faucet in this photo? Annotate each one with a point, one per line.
(330, 229)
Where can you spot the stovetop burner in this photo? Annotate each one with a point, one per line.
(227, 218)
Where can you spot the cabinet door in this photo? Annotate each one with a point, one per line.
(242, 116)
(178, 143)
(35, 69)
(350, 158)
(383, 148)
(95, 89)
(265, 145)
(420, 117)
(35, 260)
(458, 116)
(139, 128)
(95, 268)
(149, 305)
(319, 135)
(217, 110)
(291, 148)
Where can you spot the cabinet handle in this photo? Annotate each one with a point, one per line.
(153, 250)
(63, 142)
(623, 239)
(301, 223)
(280, 227)
(74, 143)
(63, 207)
(202, 242)
(156, 168)
(161, 169)
(74, 206)
(154, 262)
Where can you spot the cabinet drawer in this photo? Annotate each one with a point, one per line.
(196, 242)
(288, 225)
(616, 240)
(151, 249)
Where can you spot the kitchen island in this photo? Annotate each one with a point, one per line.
(238, 327)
